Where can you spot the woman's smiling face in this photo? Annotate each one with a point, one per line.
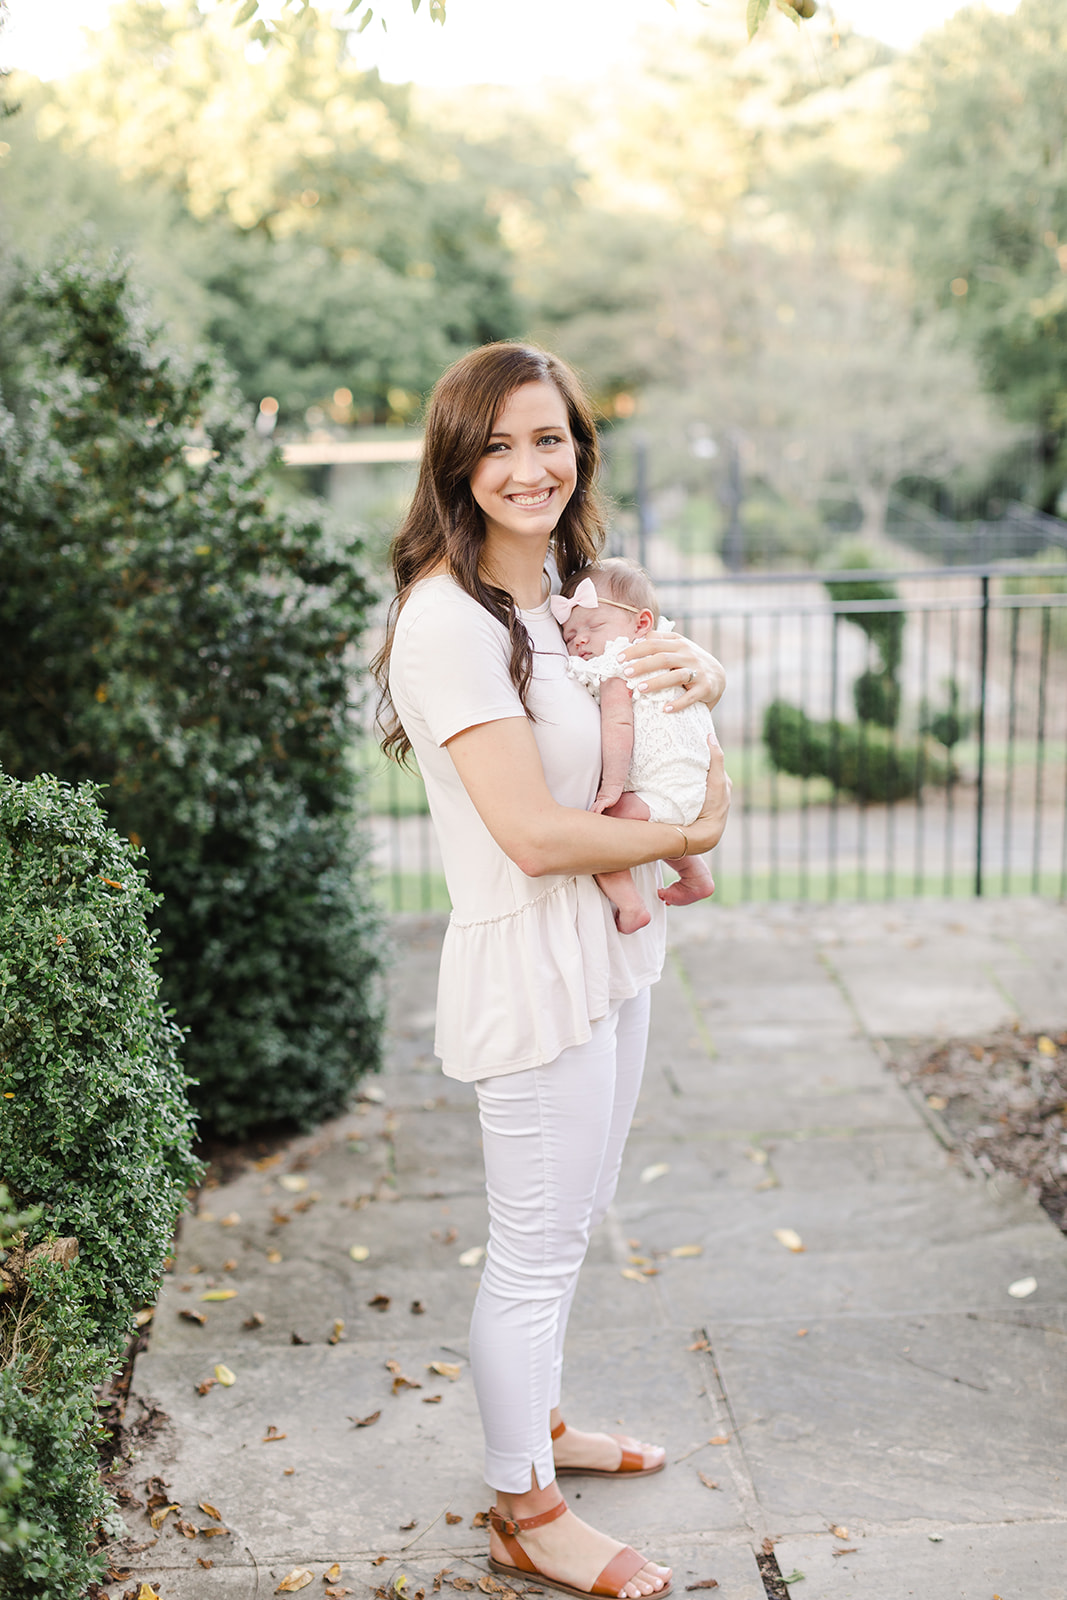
(529, 469)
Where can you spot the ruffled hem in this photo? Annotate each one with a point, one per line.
(517, 990)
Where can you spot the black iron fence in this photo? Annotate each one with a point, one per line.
(908, 742)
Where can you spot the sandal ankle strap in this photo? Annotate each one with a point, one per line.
(514, 1525)
(561, 1427)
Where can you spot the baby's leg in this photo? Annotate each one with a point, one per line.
(695, 881)
(631, 912)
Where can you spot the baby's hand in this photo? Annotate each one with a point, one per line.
(606, 798)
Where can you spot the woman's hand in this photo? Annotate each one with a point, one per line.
(671, 661)
(707, 830)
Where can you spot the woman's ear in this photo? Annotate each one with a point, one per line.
(646, 622)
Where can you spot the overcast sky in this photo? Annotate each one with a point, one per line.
(484, 41)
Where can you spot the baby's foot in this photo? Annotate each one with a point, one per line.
(630, 912)
(630, 917)
(695, 882)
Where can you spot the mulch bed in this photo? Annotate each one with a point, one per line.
(1004, 1099)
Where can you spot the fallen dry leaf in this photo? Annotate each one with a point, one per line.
(225, 1376)
(760, 1157)
(299, 1578)
(1046, 1045)
(701, 1344)
(400, 1583)
(633, 1274)
(846, 1550)
(372, 1092)
(297, 1338)
(280, 1219)
(230, 1265)
(400, 1380)
(187, 1314)
(768, 1545)
(720, 1438)
(209, 1510)
(293, 1182)
(445, 1369)
(480, 1519)
(274, 1256)
(337, 1332)
(790, 1238)
(205, 1562)
(802, 1333)
(158, 1518)
(213, 1533)
(119, 1574)
(709, 1483)
(256, 1320)
(448, 1237)
(219, 1294)
(657, 1170)
(490, 1585)
(143, 1318)
(683, 1250)
(381, 1302)
(230, 1221)
(272, 1435)
(705, 1583)
(471, 1257)
(452, 1517)
(186, 1529)
(432, 1399)
(332, 1573)
(461, 1583)
(146, 1592)
(335, 1594)
(365, 1422)
(406, 1527)
(417, 1308)
(359, 1252)
(838, 1531)
(1022, 1287)
(937, 1102)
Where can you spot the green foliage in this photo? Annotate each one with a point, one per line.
(95, 1144)
(979, 200)
(864, 761)
(96, 1128)
(951, 724)
(876, 697)
(175, 636)
(328, 238)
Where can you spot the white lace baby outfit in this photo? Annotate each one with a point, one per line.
(529, 964)
(669, 765)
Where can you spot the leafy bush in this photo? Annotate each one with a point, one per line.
(95, 1153)
(864, 761)
(177, 637)
(875, 694)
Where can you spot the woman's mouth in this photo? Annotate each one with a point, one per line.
(537, 499)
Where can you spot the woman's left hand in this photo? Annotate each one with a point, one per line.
(671, 661)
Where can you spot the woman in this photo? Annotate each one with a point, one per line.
(542, 1003)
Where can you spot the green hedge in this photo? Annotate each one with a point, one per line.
(95, 1145)
(863, 760)
(177, 637)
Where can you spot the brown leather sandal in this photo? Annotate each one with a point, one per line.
(624, 1565)
(632, 1464)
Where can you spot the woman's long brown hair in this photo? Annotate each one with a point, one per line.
(445, 522)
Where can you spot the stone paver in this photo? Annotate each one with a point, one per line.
(880, 1378)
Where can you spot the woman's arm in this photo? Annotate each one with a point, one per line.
(499, 765)
(665, 661)
(616, 741)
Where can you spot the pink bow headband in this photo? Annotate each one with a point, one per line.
(586, 596)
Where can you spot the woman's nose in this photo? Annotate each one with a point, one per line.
(526, 467)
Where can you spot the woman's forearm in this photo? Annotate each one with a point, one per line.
(499, 765)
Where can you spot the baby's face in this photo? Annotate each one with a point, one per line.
(589, 629)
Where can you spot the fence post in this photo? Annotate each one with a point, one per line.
(983, 674)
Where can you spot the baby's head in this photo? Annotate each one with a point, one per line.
(626, 607)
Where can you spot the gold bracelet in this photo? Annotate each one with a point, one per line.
(685, 837)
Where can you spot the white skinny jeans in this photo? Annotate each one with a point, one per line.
(553, 1138)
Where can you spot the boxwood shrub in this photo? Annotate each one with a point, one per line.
(860, 758)
(95, 1146)
(177, 637)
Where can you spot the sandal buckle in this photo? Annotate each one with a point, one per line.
(508, 1525)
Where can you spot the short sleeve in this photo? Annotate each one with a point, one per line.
(450, 664)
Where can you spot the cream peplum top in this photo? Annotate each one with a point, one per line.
(528, 964)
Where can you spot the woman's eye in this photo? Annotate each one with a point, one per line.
(550, 438)
(494, 449)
